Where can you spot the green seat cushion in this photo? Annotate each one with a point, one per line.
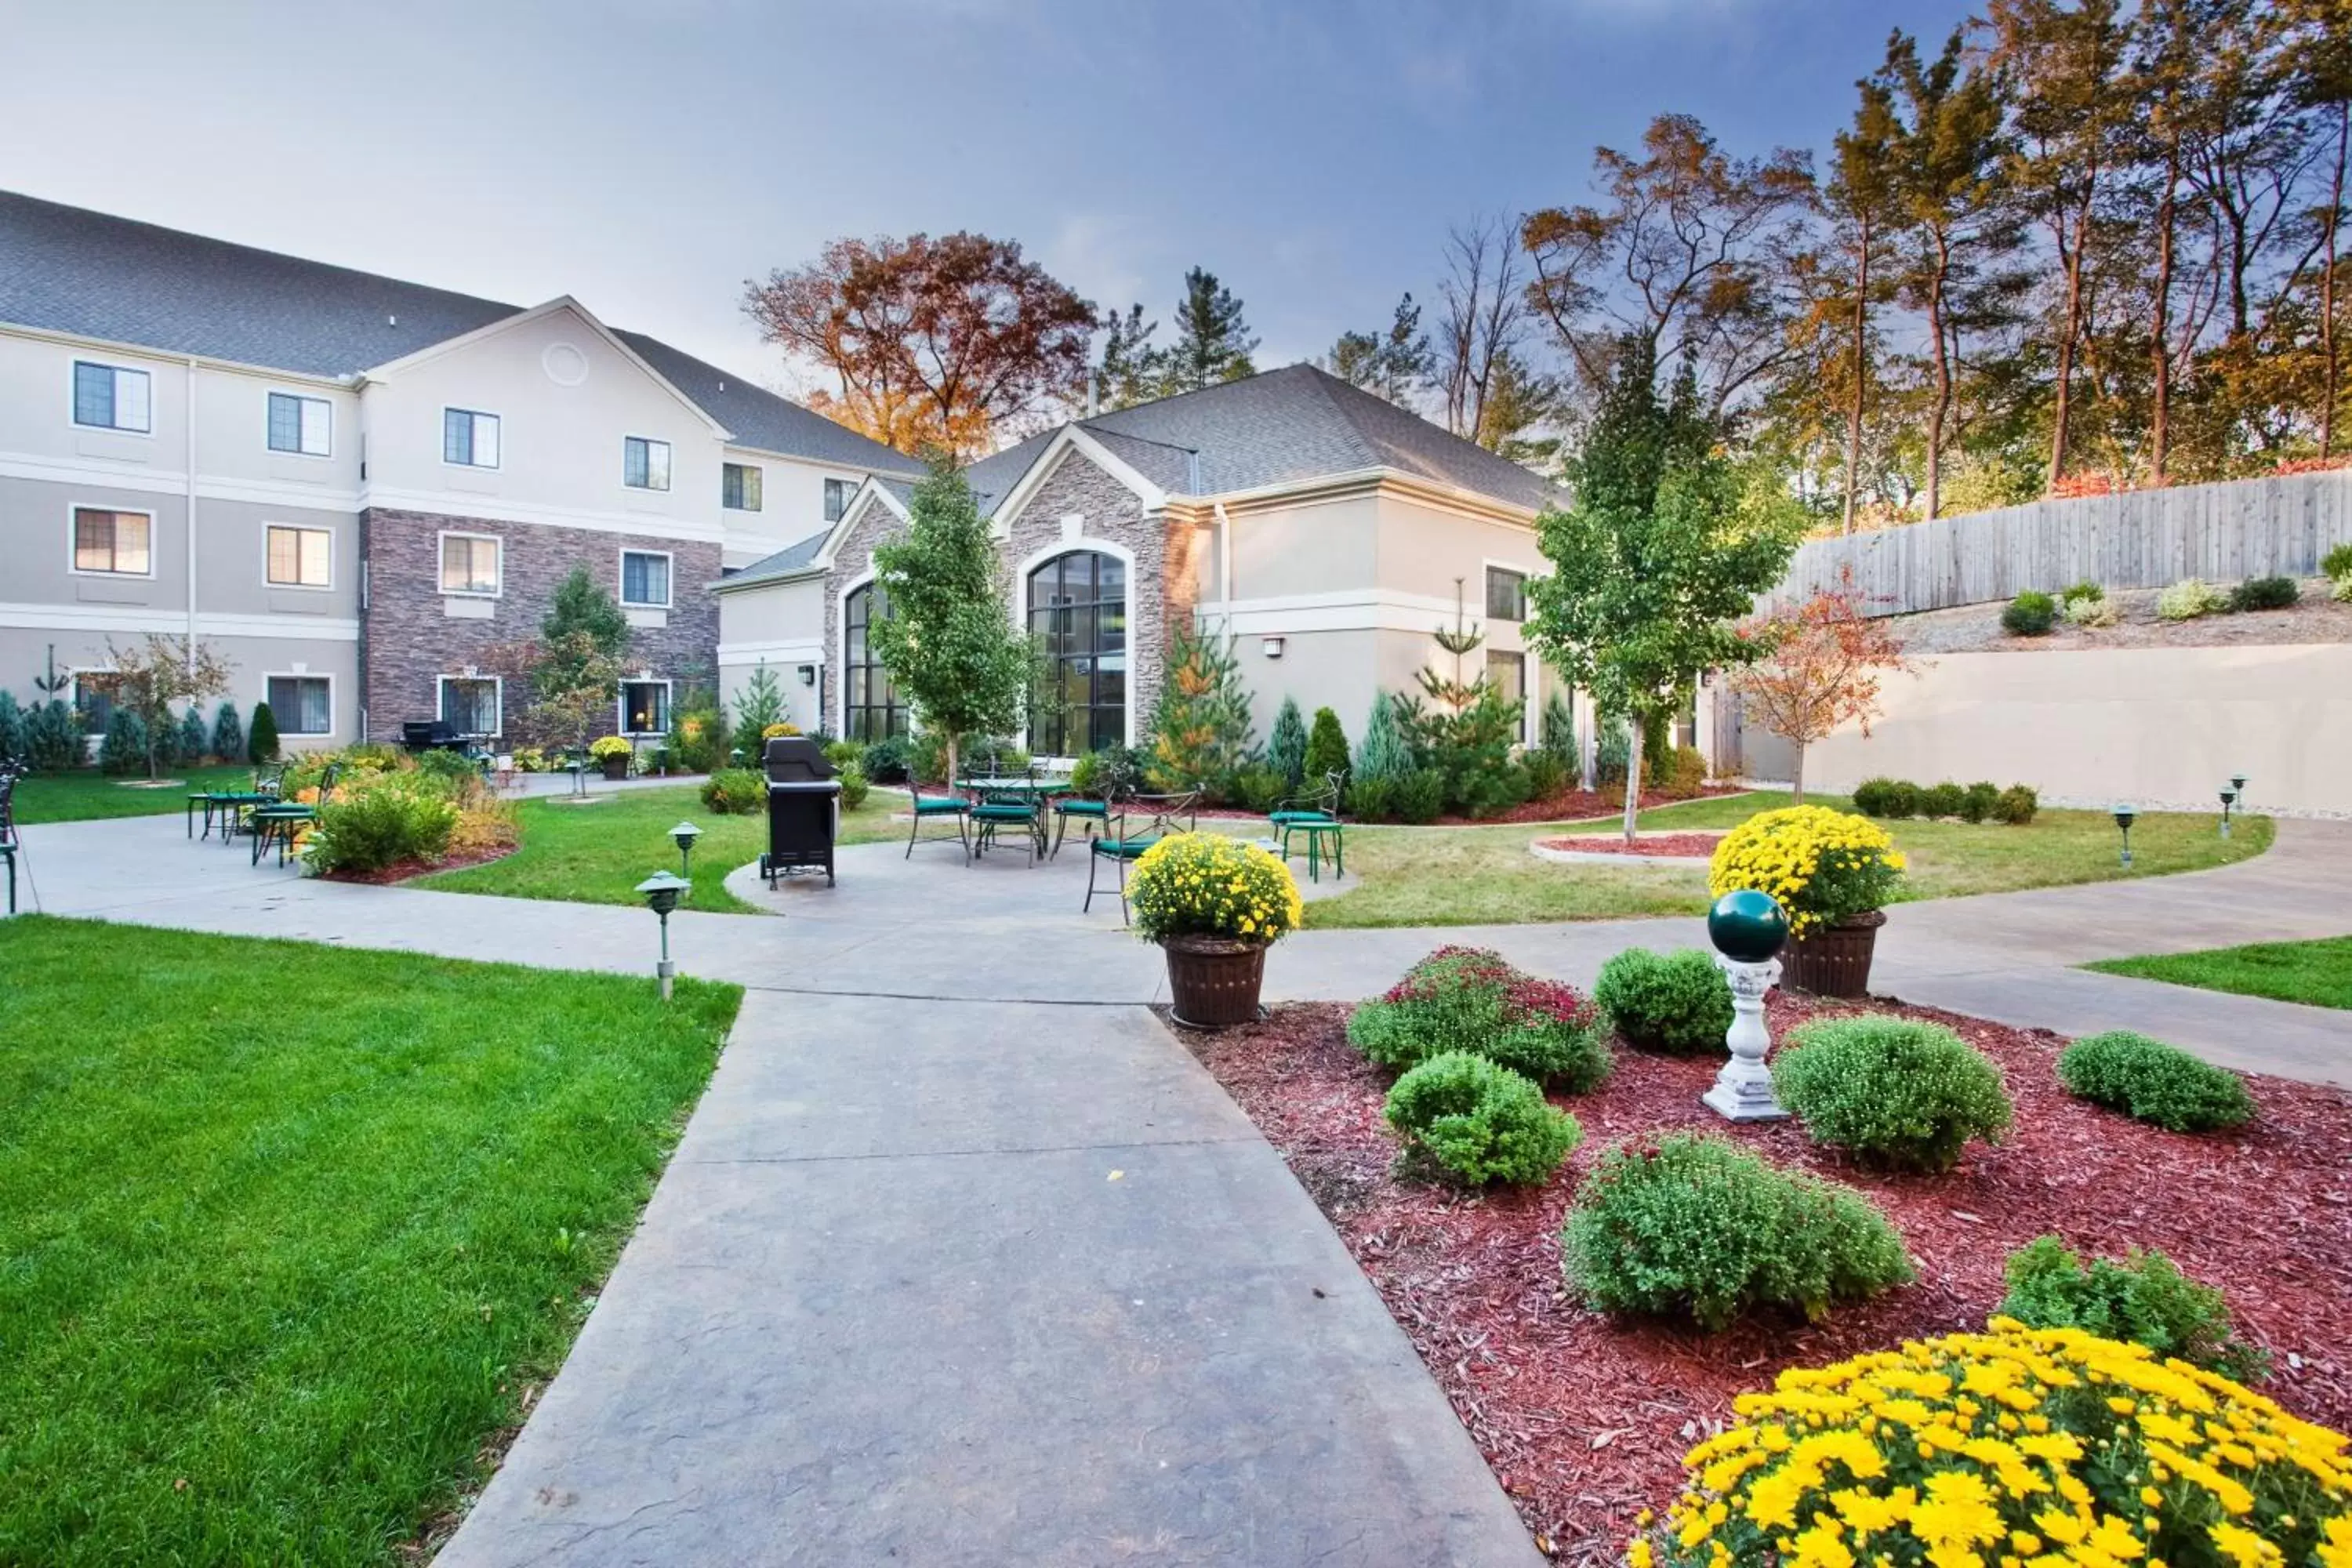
(1004, 812)
(941, 807)
(1301, 819)
(1123, 848)
(1083, 807)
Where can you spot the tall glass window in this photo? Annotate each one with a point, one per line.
(1077, 609)
(872, 708)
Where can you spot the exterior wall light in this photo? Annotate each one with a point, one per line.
(661, 891)
(1273, 647)
(2125, 817)
(808, 674)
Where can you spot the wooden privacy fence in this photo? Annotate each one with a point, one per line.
(2140, 538)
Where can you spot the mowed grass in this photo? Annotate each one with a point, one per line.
(287, 1231)
(598, 854)
(1480, 876)
(2315, 973)
(81, 795)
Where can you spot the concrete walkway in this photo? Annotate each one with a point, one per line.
(964, 1259)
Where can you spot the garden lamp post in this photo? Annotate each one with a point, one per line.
(683, 835)
(2237, 783)
(2125, 817)
(662, 892)
(1749, 929)
(735, 756)
(2229, 798)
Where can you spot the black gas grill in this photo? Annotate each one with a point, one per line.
(804, 809)
(431, 735)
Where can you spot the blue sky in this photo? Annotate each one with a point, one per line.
(649, 156)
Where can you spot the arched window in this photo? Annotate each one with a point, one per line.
(871, 707)
(1077, 609)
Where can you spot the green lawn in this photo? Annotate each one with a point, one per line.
(287, 1231)
(598, 854)
(2316, 974)
(1419, 876)
(79, 795)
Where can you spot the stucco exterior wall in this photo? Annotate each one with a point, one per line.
(2158, 726)
(776, 622)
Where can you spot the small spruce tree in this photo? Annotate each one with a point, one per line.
(123, 748)
(229, 735)
(12, 746)
(261, 741)
(52, 739)
(1326, 749)
(1384, 753)
(1285, 748)
(1200, 728)
(193, 736)
(761, 702)
(1560, 730)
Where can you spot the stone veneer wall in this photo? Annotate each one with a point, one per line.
(1159, 589)
(407, 639)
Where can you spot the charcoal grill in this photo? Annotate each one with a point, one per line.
(804, 809)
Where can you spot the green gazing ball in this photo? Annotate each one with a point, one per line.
(1746, 926)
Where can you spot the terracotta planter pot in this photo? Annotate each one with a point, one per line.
(615, 768)
(1214, 981)
(1835, 960)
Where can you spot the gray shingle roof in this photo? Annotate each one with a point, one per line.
(791, 558)
(1297, 423)
(69, 270)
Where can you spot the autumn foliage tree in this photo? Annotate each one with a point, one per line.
(931, 343)
(1824, 666)
(153, 677)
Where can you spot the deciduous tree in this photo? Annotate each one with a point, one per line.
(1822, 666)
(152, 677)
(931, 343)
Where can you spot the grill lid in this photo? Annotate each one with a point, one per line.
(795, 759)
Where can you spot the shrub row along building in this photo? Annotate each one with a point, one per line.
(358, 489)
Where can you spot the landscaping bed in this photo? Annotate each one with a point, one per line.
(1585, 1419)
(1674, 846)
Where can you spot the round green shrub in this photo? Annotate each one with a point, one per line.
(1978, 800)
(854, 787)
(1421, 796)
(2084, 592)
(737, 792)
(2151, 1081)
(1326, 751)
(261, 736)
(1481, 1123)
(2143, 1299)
(1897, 1093)
(885, 760)
(1943, 800)
(1695, 1226)
(1375, 800)
(2029, 614)
(1468, 999)
(1676, 1002)
(2264, 594)
(2338, 561)
(1902, 799)
(387, 819)
(2017, 805)
(1872, 797)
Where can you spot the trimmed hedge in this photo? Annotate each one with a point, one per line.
(1895, 1092)
(1678, 1003)
(1481, 1123)
(2151, 1081)
(1893, 799)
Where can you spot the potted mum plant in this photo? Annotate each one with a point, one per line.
(614, 754)
(1833, 872)
(1214, 905)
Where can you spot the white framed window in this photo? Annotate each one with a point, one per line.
(298, 557)
(1506, 595)
(474, 704)
(301, 704)
(303, 425)
(645, 463)
(92, 698)
(836, 497)
(738, 487)
(472, 563)
(108, 541)
(1508, 674)
(113, 397)
(470, 438)
(645, 708)
(645, 579)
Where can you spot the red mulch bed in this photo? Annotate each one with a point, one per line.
(1690, 846)
(1585, 1420)
(402, 870)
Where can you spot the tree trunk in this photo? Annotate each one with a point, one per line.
(955, 748)
(2160, 331)
(1853, 412)
(2327, 284)
(1633, 780)
(1797, 770)
(2062, 405)
(1942, 406)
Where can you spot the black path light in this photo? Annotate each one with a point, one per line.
(1749, 929)
(683, 835)
(2125, 817)
(662, 891)
(2229, 798)
(2237, 783)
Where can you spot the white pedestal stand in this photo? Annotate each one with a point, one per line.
(1743, 1089)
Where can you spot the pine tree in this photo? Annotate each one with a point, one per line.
(1131, 367)
(1212, 342)
(1383, 755)
(193, 736)
(1326, 749)
(261, 741)
(123, 748)
(1200, 728)
(949, 641)
(13, 747)
(761, 702)
(1285, 748)
(52, 739)
(1560, 730)
(1662, 553)
(229, 735)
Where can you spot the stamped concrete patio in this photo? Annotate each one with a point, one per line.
(963, 1257)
